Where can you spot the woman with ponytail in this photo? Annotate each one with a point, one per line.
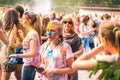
(109, 50)
(31, 45)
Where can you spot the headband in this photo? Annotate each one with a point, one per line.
(115, 29)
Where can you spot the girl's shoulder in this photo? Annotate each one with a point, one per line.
(32, 33)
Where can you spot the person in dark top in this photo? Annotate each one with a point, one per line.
(71, 37)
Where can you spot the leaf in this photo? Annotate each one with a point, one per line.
(110, 70)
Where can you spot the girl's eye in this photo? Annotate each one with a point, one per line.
(51, 33)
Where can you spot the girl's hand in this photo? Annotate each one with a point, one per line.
(49, 72)
(92, 29)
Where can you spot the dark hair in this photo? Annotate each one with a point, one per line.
(85, 19)
(95, 24)
(30, 15)
(111, 32)
(11, 19)
(106, 16)
(20, 9)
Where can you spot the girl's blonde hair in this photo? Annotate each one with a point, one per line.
(111, 32)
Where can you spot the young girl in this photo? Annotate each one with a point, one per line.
(11, 25)
(56, 55)
(110, 38)
(93, 35)
(31, 46)
(84, 32)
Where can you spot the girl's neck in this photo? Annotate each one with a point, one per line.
(55, 42)
(30, 27)
(112, 51)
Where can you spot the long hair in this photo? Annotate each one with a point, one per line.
(11, 19)
(111, 32)
(37, 26)
(35, 22)
(20, 9)
(44, 22)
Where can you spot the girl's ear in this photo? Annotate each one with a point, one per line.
(29, 20)
(103, 41)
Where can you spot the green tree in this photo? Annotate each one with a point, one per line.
(10, 2)
(60, 5)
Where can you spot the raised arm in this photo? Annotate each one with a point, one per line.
(85, 61)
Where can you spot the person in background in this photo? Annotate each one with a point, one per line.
(60, 16)
(44, 21)
(77, 23)
(56, 55)
(31, 45)
(106, 18)
(3, 36)
(110, 47)
(84, 31)
(3, 43)
(52, 15)
(92, 35)
(11, 25)
(71, 37)
(19, 49)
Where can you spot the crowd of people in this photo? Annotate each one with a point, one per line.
(56, 46)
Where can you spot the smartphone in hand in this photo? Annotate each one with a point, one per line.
(39, 70)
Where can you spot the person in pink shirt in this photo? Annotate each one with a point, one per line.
(31, 45)
(56, 55)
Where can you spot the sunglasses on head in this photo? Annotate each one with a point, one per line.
(67, 22)
(28, 13)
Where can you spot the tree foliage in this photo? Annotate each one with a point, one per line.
(68, 5)
(102, 3)
(110, 70)
(13, 2)
(60, 5)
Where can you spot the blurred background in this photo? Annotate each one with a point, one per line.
(68, 6)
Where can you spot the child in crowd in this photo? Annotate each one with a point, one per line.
(31, 45)
(56, 55)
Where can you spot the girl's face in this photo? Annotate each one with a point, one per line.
(26, 20)
(67, 25)
(90, 23)
(52, 16)
(51, 33)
